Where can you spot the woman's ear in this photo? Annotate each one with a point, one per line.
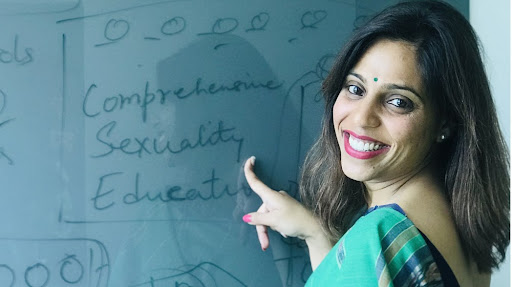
(444, 132)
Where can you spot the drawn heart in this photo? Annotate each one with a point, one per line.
(224, 25)
(259, 21)
(174, 26)
(311, 18)
(116, 29)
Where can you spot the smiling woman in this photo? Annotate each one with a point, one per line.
(389, 114)
(409, 179)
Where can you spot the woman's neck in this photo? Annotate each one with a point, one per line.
(402, 188)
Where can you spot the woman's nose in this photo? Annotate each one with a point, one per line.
(366, 113)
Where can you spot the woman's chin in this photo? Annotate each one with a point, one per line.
(354, 174)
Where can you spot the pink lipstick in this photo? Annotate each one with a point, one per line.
(362, 147)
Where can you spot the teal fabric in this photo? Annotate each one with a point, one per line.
(382, 248)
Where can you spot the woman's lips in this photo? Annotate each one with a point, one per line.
(363, 147)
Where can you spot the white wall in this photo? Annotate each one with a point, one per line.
(491, 21)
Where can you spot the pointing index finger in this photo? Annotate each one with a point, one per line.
(254, 182)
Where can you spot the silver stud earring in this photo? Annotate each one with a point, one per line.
(443, 137)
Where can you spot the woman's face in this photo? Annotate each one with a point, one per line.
(385, 123)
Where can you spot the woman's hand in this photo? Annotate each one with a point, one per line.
(279, 211)
(285, 215)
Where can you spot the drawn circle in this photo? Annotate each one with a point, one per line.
(5, 276)
(224, 25)
(311, 18)
(36, 274)
(116, 29)
(173, 26)
(71, 270)
(3, 101)
(259, 21)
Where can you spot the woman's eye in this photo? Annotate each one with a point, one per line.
(355, 90)
(400, 103)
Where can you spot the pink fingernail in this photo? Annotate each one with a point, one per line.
(253, 159)
(247, 218)
(263, 249)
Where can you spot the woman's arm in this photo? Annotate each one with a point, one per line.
(284, 214)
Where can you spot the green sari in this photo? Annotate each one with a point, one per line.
(382, 248)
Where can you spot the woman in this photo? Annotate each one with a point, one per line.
(409, 179)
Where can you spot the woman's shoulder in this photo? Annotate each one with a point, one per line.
(383, 246)
(379, 228)
(383, 225)
(379, 220)
(434, 218)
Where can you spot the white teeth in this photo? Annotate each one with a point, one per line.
(363, 146)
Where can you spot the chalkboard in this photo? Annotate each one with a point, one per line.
(124, 126)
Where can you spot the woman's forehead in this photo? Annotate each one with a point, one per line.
(392, 62)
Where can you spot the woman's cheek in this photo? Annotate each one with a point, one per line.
(340, 110)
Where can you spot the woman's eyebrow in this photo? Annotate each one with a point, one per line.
(358, 76)
(400, 87)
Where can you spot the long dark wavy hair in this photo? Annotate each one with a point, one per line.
(474, 161)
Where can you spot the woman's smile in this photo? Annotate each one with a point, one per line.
(363, 147)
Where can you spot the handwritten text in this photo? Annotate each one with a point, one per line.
(207, 135)
(212, 188)
(144, 99)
